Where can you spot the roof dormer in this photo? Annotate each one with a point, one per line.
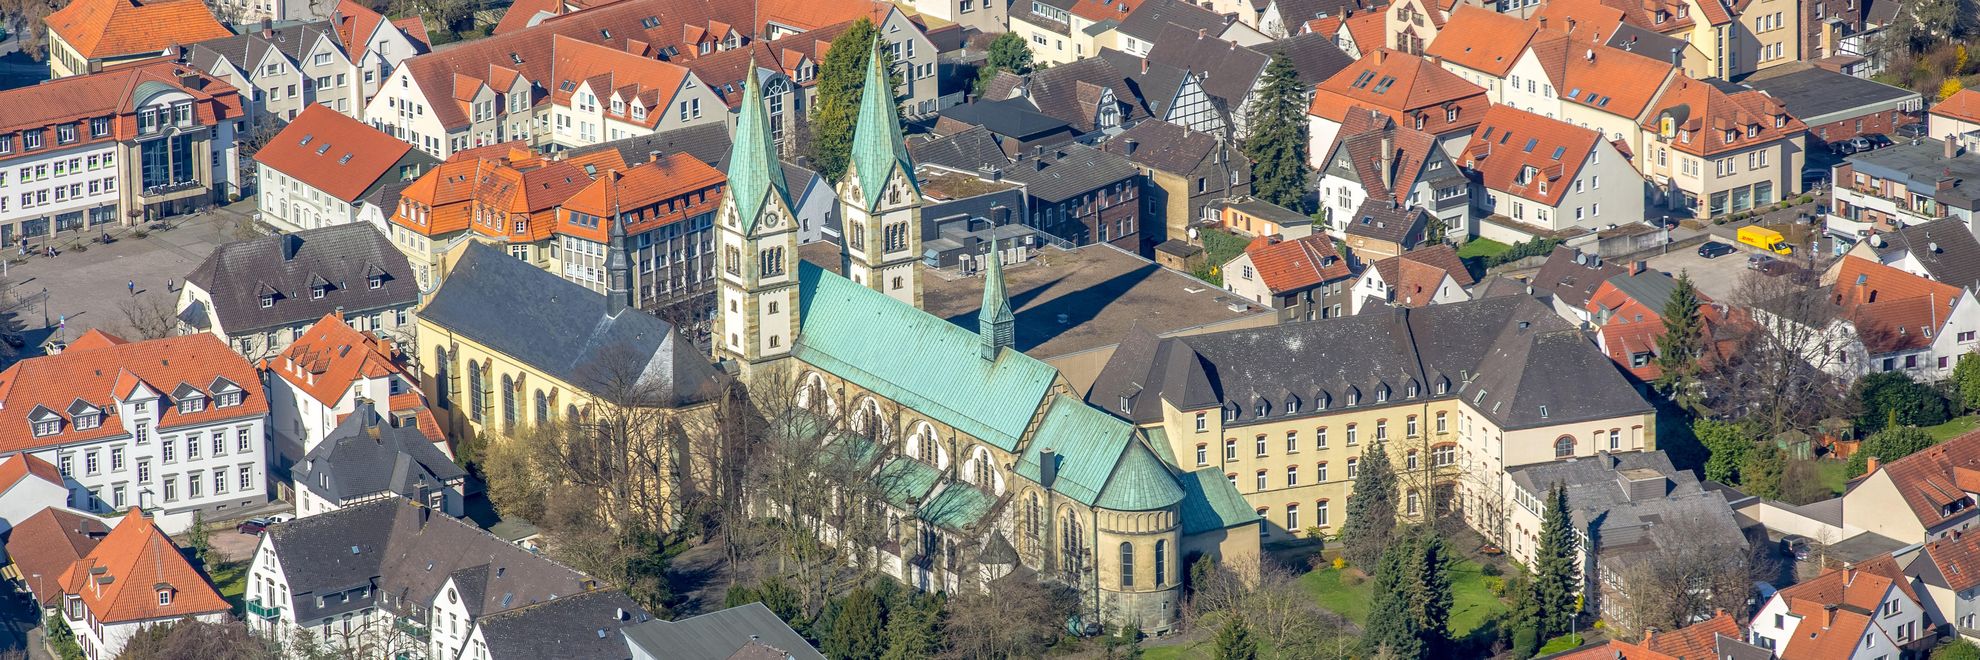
(190, 399)
(44, 421)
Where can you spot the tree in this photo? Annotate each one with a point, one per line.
(913, 626)
(1889, 445)
(1436, 231)
(1524, 618)
(148, 316)
(1966, 381)
(1762, 471)
(774, 593)
(1728, 446)
(1122, 644)
(1957, 650)
(23, 20)
(857, 632)
(1801, 482)
(1277, 142)
(62, 640)
(1273, 605)
(1412, 599)
(1778, 375)
(192, 638)
(197, 538)
(1557, 577)
(1948, 88)
(1371, 509)
(1014, 616)
(1681, 345)
(1891, 397)
(1008, 52)
(840, 78)
(1234, 640)
(1671, 584)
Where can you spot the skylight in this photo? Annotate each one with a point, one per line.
(1530, 144)
(1558, 151)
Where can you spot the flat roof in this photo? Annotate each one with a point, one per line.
(1819, 96)
(946, 184)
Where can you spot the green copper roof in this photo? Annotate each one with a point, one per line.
(957, 507)
(849, 452)
(877, 145)
(903, 481)
(917, 359)
(1094, 450)
(1211, 503)
(994, 320)
(754, 172)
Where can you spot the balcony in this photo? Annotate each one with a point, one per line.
(411, 629)
(255, 608)
(169, 191)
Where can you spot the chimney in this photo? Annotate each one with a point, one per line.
(1829, 610)
(1048, 467)
(1543, 22)
(654, 155)
(1131, 144)
(1199, 33)
(267, 29)
(1638, 267)
(1870, 465)
(1144, 65)
(1849, 573)
(1388, 161)
(1952, 149)
(1677, 57)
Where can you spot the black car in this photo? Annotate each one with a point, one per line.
(1715, 249)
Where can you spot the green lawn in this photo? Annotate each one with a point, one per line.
(1835, 475)
(1473, 602)
(1482, 247)
(230, 578)
(1562, 643)
(1219, 248)
(1951, 429)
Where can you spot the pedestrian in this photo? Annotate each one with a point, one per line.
(132, 285)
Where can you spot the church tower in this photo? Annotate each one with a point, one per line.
(757, 315)
(996, 325)
(879, 201)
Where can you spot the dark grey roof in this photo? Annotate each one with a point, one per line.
(1571, 276)
(1920, 165)
(1152, 18)
(1646, 43)
(1386, 220)
(716, 635)
(1314, 56)
(971, 149)
(364, 457)
(567, 330)
(1068, 171)
(1013, 118)
(586, 625)
(1164, 147)
(708, 143)
(1510, 358)
(1228, 71)
(1819, 96)
(1944, 247)
(1624, 501)
(1069, 91)
(1156, 85)
(407, 553)
(246, 51)
(1650, 287)
(235, 274)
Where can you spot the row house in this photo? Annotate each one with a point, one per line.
(260, 294)
(322, 378)
(1904, 185)
(88, 35)
(1868, 610)
(1083, 195)
(1410, 90)
(319, 170)
(134, 142)
(133, 578)
(339, 62)
(600, 94)
(1155, 21)
(1431, 275)
(1886, 319)
(1731, 39)
(1374, 160)
(1063, 31)
(1186, 172)
(788, 69)
(1279, 19)
(176, 426)
(1751, 145)
(1544, 177)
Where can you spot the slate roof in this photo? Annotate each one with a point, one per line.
(1945, 248)
(594, 347)
(1014, 118)
(1510, 358)
(589, 625)
(1386, 220)
(344, 256)
(1152, 19)
(1154, 84)
(365, 456)
(1571, 277)
(1626, 496)
(969, 150)
(1315, 56)
(717, 635)
(1069, 171)
(1163, 147)
(1819, 96)
(1070, 92)
(406, 552)
(1228, 71)
(707, 142)
(247, 50)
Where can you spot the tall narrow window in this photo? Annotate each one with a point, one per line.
(475, 395)
(508, 404)
(1161, 562)
(1127, 565)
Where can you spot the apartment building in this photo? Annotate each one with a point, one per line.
(1903, 185)
(321, 378)
(260, 294)
(320, 168)
(340, 61)
(134, 578)
(1412, 91)
(87, 35)
(1751, 145)
(1542, 177)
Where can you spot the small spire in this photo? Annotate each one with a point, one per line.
(618, 268)
(754, 171)
(994, 319)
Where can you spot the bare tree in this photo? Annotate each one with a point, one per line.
(149, 316)
(23, 20)
(191, 638)
(1781, 373)
(1015, 616)
(1272, 603)
(1680, 580)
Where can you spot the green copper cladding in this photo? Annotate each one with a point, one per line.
(754, 172)
(877, 146)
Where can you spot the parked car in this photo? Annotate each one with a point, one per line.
(1795, 546)
(254, 526)
(1879, 140)
(1916, 130)
(1715, 249)
(1758, 261)
(1857, 144)
(1816, 175)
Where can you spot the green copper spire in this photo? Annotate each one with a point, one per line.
(754, 172)
(994, 319)
(877, 145)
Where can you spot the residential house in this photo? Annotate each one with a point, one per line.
(1749, 141)
(1283, 18)
(1482, 47)
(27, 485)
(87, 35)
(1249, 216)
(1628, 310)
(1151, 21)
(1016, 126)
(389, 573)
(322, 378)
(1430, 275)
(1889, 320)
(986, 17)
(1834, 106)
(1426, 385)
(133, 579)
(1089, 94)
(1410, 90)
(1942, 250)
(1867, 610)
(123, 146)
(1186, 172)
(602, 93)
(502, 194)
(1568, 278)
(315, 172)
(1541, 177)
(1905, 184)
(1373, 160)
(1315, 57)
(1845, 34)
(1084, 195)
(1717, 637)
(1233, 75)
(43, 545)
(1605, 89)
(1173, 94)
(586, 625)
(720, 635)
(1303, 278)
(1920, 498)
(1384, 228)
(258, 295)
(366, 458)
(1945, 574)
(131, 424)
(1064, 31)
(339, 61)
(1955, 116)
(1410, 25)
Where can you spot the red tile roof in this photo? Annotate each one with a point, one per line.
(1609, 79)
(98, 375)
(329, 356)
(329, 151)
(671, 189)
(1414, 276)
(45, 544)
(103, 29)
(1698, 641)
(1957, 557)
(612, 72)
(120, 579)
(1818, 636)
(1524, 154)
(1612, 650)
(1963, 106)
(1366, 28)
(111, 94)
(1296, 264)
(18, 467)
(1936, 478)
(1482, 40)
(1706, 121)
(1893, 310)
(1402, 86)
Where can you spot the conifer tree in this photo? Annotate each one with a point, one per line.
(1681, 344)
(1371, 509)
(1234, 640)
(1557, 576)
(1413, 599)
(1278, 137)
(1008, 52)
(913, 627)
(840, 78)
(856, 632)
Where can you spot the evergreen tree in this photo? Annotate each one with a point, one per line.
(1728, 445)
(1893, 398)
(1966, 379)
(1556, 562)
(1371, 509)
(1889, 445)
(840, 78)
(1431, 571)
(913, 627)
(1762, 472)
(1278, 138)
(1436, 230)
(856, 632)
(1523, 619)
(1008, 52)
(1412, 599)
(197, 538)
(1679, 348)
(1234, 640)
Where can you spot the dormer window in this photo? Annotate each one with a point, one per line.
(1382, 395)
(1230, 414)
(229, 399)
(165, 596)
(88, 421)
(317, 292)
(1780, 121)
(638, 112)
(1411, 393)
(1753, 130)
(1354, 398)
(47, 428)
(192, 404)
(1263, 409)
(375, 281)
(267, 300)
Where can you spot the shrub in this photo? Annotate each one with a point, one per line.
(141, 234)
(1496, 584)
(1340, 563)
(1491, 570)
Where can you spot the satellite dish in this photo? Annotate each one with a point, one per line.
(1192, 233)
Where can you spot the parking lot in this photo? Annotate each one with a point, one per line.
(1717, 278)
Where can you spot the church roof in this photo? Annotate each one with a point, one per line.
(877, 146)
(754, 172)
(1099, 460)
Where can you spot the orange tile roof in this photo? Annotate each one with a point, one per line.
(1482, 40)
(95, 375)
(120, 580)
(1366, 28)
(1892, 309)
(1612, 650)
(609, 71)
(1511, 141)
(1963, 106)
(333, 153)
(671, 189)
(812, 14)
(1818, 636)
(1414, 276)
(1612, 80)
(110, 94)
(19, 466)
(1296, 264)
(1708, 121)
(1698, 641)
(329, 356)
(1930, 480)
(505, 179)
(103, 29)
(44, 545)
(1399, 85)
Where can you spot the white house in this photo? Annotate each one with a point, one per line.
(175, 425)
(1539, 176)
(1869, 609)
(365, 458)
(28, 485)
(1890, 320)
(323, 376)
(135, 578)
(320, 168)
(1412, 279)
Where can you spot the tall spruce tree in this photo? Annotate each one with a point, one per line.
(1413, 599)
(1277, 142)
(913, 626)
(1371, 509)
(840, 78)
(857, 632)
(1234, 640)
(1683, 341)
(1557, 576)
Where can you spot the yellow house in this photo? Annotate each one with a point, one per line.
(1066, 31)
